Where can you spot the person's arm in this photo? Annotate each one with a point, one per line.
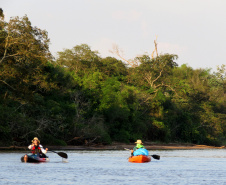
(135, 148)
(44, 151)
(30, 146)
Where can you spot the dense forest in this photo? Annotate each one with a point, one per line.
(81, 98)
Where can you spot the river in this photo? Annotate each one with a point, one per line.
(112, 167)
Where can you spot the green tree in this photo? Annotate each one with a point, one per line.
(25, 52)
(78, 59)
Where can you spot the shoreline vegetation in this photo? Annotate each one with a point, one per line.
(122, 146)
(79, 99)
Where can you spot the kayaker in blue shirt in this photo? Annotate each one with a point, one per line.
(138, 146)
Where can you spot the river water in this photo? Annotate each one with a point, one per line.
(112, 167)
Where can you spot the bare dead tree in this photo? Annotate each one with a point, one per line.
(133, 63)
(156, 49)
(149, 76)
(115, 50)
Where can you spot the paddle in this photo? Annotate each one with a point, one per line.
(154, 156)
(61, 154)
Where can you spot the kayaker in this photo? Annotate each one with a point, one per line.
(138, 146)
(37, 148)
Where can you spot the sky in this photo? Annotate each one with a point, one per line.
(195, 30)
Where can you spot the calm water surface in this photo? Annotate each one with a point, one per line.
(112, 167)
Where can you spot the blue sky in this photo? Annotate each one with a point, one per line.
(193, 29)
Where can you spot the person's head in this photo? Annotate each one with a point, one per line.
(35, 141)
(139, 142)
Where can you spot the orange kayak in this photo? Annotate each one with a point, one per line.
(139, 159)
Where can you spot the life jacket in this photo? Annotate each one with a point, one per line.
(138, 146)
(36, 150)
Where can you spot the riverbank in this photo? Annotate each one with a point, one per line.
(122, 146)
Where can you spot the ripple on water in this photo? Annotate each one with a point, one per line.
(112, 167)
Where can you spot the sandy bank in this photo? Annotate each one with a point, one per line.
(121, 146)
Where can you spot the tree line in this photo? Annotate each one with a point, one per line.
(82, 95)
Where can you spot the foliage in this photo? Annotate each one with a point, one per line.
(81, 95)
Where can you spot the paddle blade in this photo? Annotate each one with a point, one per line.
(62, 154)
(156, 157)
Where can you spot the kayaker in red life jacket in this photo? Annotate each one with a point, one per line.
(139, 145)
(37, 148)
